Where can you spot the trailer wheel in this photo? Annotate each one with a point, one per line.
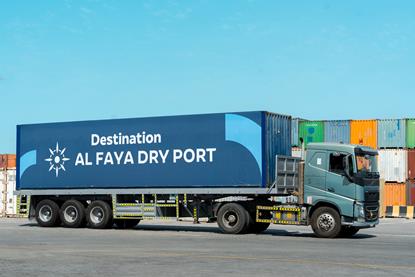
(233, 218)
(348, 231)
(126, 223)
(99, 215)
(47, 213)
(72, 214)
(326, 223)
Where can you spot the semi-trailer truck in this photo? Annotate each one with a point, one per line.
(232, 168)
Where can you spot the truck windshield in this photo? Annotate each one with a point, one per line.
(366, 163)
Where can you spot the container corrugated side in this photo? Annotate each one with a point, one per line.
(394, 194)
(391, 133)
(311, 131)
(294, 131)
(278, 140)
(410, 133)
(411, 194)
(363, 132)
(8, 206)
(411, 164)
(7, 161)
(393, 165)
(337, 131)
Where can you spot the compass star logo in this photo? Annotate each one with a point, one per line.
(57, 159)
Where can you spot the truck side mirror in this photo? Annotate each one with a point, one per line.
(346, 167)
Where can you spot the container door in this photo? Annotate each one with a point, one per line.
(336, 180)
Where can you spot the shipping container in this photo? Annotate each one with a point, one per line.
(393, 165)
(8, 186)
(192, 151)
(411, 164)
(7, 161)
(363, 132)
(391, 133)
(311, 131)
(395, 194)
(337, 131)
(296, 152)
(410, 133)
(294, 131)
(411, 189)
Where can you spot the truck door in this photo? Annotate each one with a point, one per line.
(336, 180)
(316, 173)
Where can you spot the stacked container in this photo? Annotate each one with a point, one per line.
(395, 194)
(410, 144)
(8, 185)
(393, 165)
(363, 132)
(311, 131)
(337, 131)
(391, 133)
(410, 133)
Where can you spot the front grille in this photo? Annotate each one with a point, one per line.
(372, 212)
(371, 196)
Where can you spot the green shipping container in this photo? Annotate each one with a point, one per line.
(311, 131)
(410, 133)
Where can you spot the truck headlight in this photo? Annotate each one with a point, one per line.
(361, 211)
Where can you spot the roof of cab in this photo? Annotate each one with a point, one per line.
(339, 147)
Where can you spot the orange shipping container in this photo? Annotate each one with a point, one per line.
(395, 194)
(7, 161)
(364, 132)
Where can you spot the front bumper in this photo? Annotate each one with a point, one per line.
(362, 225)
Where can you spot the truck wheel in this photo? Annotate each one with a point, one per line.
(47, 213)
(348, 231)
(259, 227)
(326, 223)
(99, 215)
(126, 223)
(72, 214)
(233, 218)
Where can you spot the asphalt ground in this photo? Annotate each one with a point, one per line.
(156, 248)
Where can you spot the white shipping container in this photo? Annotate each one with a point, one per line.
(8, 186)
(393, 165)
(296, 152)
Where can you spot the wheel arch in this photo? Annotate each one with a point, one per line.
(323, 204)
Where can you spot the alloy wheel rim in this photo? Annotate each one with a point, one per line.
(45, 213)
(70, 214)
(96, 215)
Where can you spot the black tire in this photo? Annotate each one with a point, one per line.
(259, 227)
(326, 222)
(348, 231)
(126, 223)
(99, 215)
(233, 218)
(47, 213)
(256, 227)
(72, 214)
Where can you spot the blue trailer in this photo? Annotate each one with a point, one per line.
(228, 167)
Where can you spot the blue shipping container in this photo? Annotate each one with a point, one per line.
(391, 133)
(337, 131)
(212, 150)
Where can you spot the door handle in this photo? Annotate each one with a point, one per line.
(331, 189)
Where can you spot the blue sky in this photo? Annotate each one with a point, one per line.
(76, 60)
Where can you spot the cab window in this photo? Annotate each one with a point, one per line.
(336, 163)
